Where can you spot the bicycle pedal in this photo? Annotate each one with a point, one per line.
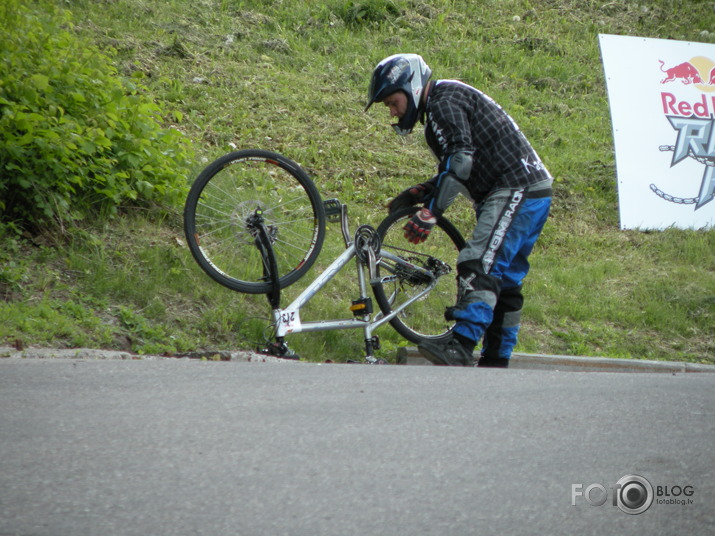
(333, 210)
(362, 307)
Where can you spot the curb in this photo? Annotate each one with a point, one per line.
(405, 356)
(7, 352)
(411, 356)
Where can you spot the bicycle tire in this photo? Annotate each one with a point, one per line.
(223, 198)
(424, 319)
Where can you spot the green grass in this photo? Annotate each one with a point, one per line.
(291, 76)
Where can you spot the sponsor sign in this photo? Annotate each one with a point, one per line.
(662, 99)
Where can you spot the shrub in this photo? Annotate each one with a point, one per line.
(75, 139)
(366, 12)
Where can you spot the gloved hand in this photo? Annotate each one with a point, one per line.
(410, 197)
(418, 228)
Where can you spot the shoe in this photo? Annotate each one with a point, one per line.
(450, 353)
(493, 362)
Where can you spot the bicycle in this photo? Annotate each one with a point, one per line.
(255, 223)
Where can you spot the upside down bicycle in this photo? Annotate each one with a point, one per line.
(255, 223)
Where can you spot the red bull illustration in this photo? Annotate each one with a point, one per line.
(698, 71)
(685, 72)
(694, 120)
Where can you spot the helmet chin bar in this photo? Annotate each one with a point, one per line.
(401, 131)
(407, 122)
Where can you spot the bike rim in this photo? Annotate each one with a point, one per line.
(224, 209)
(424, 318)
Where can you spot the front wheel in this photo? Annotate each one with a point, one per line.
(424, 319)
(231, 198)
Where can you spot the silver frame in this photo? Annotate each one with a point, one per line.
(282, 316)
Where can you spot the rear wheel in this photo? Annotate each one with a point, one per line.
(424, 319)
(231, 197)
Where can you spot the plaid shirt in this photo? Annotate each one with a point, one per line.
(459, 117)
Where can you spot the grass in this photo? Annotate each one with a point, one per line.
(291, 77)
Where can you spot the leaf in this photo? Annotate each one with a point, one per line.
(26, 139)
(40, 81)
(145, 188)
(88, 147)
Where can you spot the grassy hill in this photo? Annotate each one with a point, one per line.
(291, 76)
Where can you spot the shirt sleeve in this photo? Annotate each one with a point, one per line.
(451, 124)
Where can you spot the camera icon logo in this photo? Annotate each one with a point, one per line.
(633, 494)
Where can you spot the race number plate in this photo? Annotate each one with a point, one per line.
(288, 322)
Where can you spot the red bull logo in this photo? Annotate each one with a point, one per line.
(698, 71)
(685, 72)
(694, 120)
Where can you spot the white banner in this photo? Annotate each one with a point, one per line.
(662, 98)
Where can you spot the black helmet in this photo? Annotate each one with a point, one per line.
(401, 72)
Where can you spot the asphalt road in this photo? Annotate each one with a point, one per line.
(183, 447)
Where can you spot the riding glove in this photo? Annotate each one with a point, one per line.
(412, 196)
(418, 228)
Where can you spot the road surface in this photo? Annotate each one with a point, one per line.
(184, 447)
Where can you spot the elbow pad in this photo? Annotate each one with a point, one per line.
(454, 174)
(458, 164)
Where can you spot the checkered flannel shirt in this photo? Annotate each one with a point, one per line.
(459, 117)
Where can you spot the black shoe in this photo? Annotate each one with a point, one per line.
(449, 353)
(493, 362)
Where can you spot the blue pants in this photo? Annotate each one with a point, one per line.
(492, 266)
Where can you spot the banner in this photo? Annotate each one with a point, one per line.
(662, 99)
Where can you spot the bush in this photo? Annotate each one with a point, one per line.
(75, 140)
(366, 12)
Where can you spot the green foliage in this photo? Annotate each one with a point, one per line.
(367, 11)
(75, 140)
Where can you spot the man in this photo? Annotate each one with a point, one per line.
(482, 153)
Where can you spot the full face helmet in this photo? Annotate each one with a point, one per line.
(401, 72)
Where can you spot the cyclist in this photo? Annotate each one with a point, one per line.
(483, 155)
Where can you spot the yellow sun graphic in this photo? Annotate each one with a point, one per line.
(706, 69)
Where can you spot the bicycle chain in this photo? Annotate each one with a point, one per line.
(680, 200)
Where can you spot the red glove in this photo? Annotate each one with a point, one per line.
(418, 228)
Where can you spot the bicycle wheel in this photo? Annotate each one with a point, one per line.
(221, 212)
(424, 318)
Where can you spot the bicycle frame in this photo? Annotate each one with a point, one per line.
(287, 320)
